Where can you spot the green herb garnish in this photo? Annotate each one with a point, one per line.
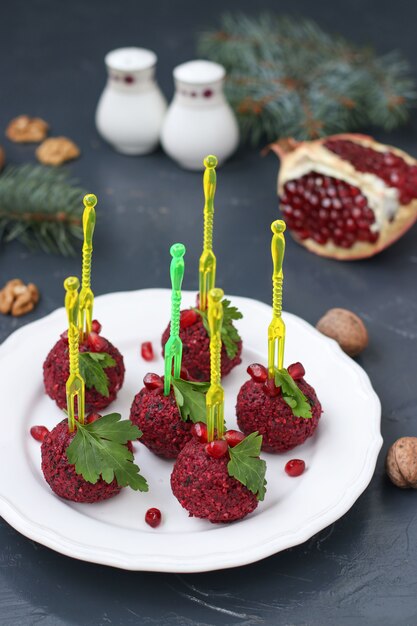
(92, 366)
(246, 466)
(292, 394)
(99, 450)
(191, 399)
(230, 336)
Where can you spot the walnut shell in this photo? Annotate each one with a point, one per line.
(57, 150)
(346, 328)
(25, 129)
(401, 463)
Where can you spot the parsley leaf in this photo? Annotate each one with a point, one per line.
(99, 449)
(292, 394)
(191, 399)
(246, 466)
(230, 336)
(92, 366)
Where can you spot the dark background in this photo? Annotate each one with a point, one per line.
(361, 570)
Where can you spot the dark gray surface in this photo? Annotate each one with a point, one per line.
(361, 570)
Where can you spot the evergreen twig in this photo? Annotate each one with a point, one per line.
(287, 77)
(41, 208)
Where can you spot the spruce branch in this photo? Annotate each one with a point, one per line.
(287, 77)
(41, 208)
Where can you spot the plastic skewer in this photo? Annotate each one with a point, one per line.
(207, 266)
(215, 394)
(173, 347)
(86, 294)
(276, 329)
(75, 383)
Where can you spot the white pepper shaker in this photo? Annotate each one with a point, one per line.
(131, 109)
(199, 120)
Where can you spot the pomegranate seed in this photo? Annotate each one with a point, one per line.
(153, 517)
(270, 389)
(39, 432)
(199, 431)
(257, 372)
(146, 351)
(93, 417)
(96, 326)
(184, 374)
(97, 343)
(188, 318)
(296, 371)
(217, 448)
(153, 381)
(233, 437)
(295, 467)
(64, 335)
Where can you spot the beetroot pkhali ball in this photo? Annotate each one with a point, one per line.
(56, 372)
(203, 487)
(61, 475)
(164, 431)
(196, 350)
(273, 418)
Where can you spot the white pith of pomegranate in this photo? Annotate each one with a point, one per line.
(346, 196)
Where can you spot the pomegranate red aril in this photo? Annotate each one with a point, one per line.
(270, 389)
(64, 335)
(295, 467)
(96, 326)
(153, 517)
(188, 318)
(217, 448)
(369, 192)
(97, 343)
(93, 417)
(257, 372)
(296, 371)
(199, 431)
(233, 437)
(184, 373)
(153, 381)
(39, 432)
(146, 351)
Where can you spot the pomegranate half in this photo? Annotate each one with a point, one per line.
(346, 196)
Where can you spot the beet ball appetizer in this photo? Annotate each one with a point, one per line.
(277, 402)
(196, 342)
(101, 364)
(218, 476)
(166, 407)
(87, 460)
(272, 410)
(194, 327)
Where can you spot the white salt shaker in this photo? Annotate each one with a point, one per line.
(131, 109)
(199, 120)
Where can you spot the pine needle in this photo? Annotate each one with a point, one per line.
(287, 77)
(41, 208)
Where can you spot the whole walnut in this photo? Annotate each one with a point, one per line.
(401, 463)
(346, 328)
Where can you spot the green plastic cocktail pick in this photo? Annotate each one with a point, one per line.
(173, 347)
(215, 394)
(86, 294)
(75, 384)
(276, 329)
(207, 266)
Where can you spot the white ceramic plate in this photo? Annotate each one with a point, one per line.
(340, 458)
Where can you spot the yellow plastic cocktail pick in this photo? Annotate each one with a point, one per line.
(276, 329)
(86, 294)
(173, 347)
(75, 384)
(207, 267)
(215, 394)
